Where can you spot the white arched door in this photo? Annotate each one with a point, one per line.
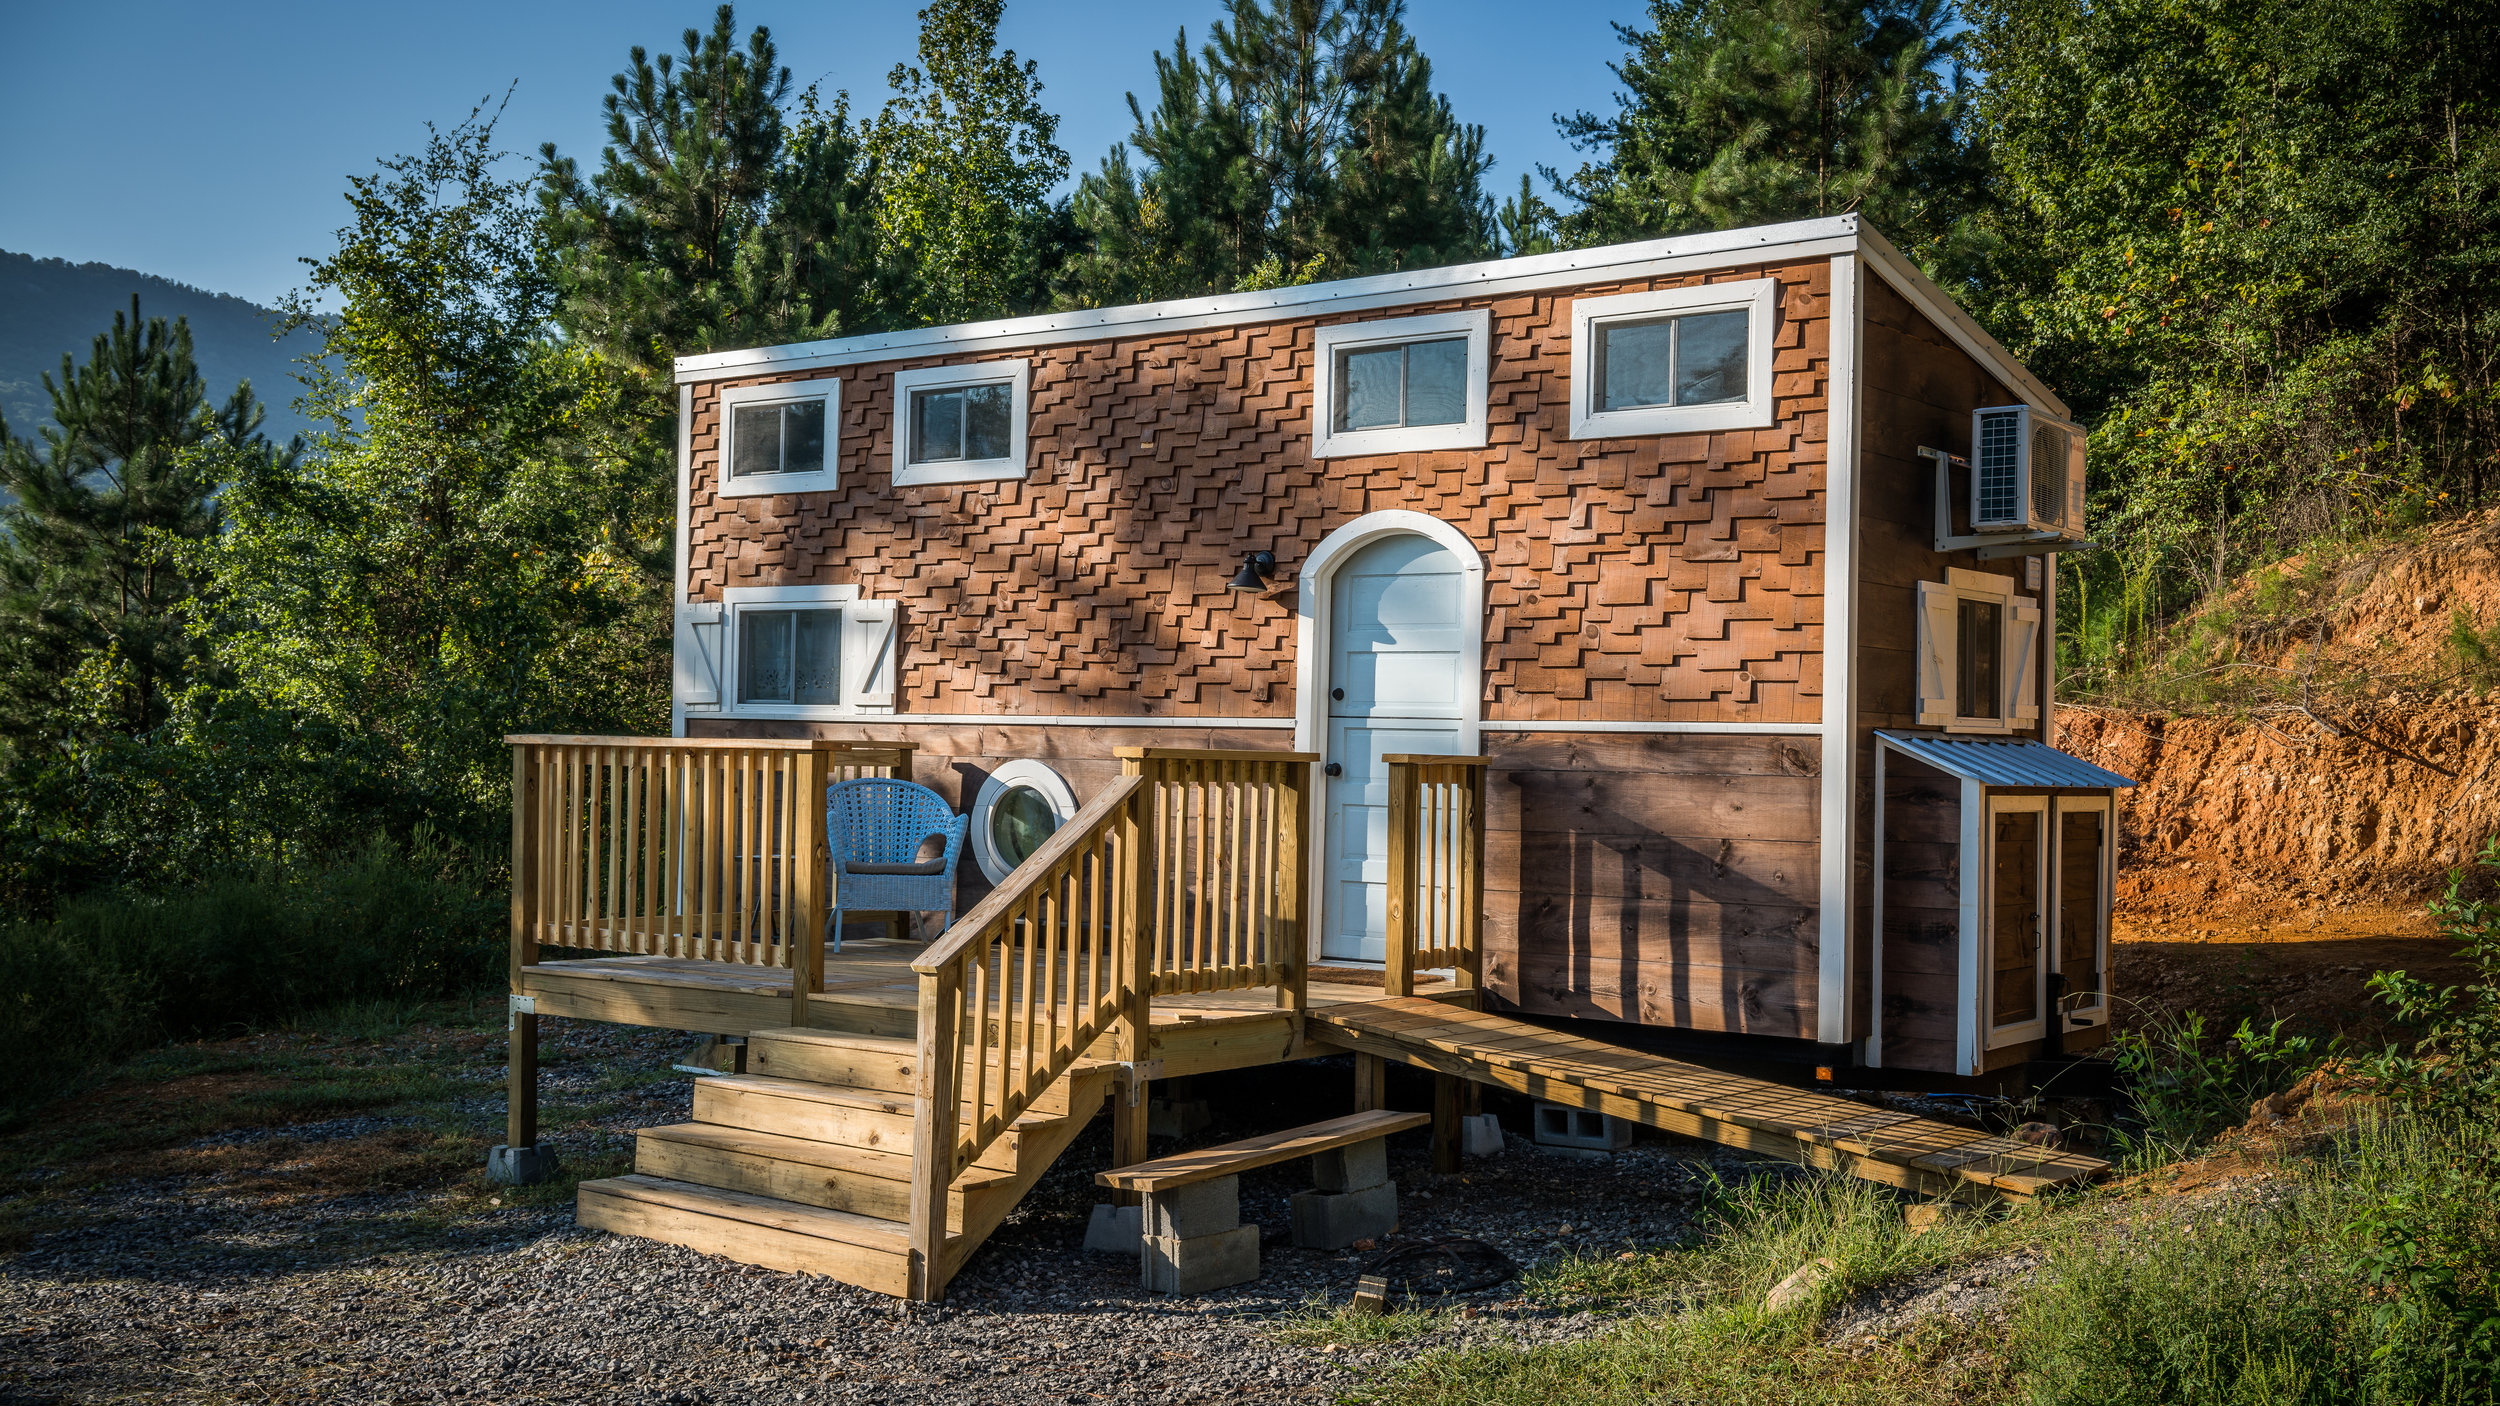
(1398, 681)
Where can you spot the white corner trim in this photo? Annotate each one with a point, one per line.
(1589, 316)
(1796, 241)
(1835, 1007)
(1974, 874)
(824, 480)
(1939, 308)
(1018, 374)
(1468, 432)
(685, 525)
(1874, 1038)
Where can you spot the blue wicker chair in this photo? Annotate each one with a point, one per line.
(876, 829)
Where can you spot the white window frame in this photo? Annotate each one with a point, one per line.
(824, 480)
(1018, 374)
(1755, 296)
(1328, 442)
(1939, 650)
(870, 650)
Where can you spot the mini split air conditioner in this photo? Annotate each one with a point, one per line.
(2026, 473)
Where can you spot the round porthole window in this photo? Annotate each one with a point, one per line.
(1020, 805)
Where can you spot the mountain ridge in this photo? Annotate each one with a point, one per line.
(53, 306)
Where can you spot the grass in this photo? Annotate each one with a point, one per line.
(2267, 1294)
(420, 1067)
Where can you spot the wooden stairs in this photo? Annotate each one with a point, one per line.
(805, 1163)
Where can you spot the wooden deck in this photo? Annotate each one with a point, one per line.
(870, 989)
(1897, 1149)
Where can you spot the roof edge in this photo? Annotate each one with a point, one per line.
(1802, 238)
(1959, 755)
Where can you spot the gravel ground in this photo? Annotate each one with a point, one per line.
(196, 1289)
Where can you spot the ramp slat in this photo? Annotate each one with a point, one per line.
(1884, 1145)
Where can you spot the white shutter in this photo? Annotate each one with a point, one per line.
(868, 655)
(2022, 660)
(1937, 622)
(699, 636)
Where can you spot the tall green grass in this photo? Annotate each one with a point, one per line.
(110, 973)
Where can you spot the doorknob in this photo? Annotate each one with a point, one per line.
(1337, 694)
(1333, 769)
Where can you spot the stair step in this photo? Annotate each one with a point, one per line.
(759, 1230)
(884, 1063)
(859, 1180)
(858, 1118)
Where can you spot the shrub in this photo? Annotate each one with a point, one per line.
(2185, 1087)
(114, 971)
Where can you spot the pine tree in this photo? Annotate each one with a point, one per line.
(1738, 112)
(127, 471)
(712, 223)
(1302, 140)
(967, 157)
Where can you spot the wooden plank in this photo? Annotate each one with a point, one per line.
(1647, 864)
(753, 1230)
(1701, 808)
(1206, 1163)
(1660, 754)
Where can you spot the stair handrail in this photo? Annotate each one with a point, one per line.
(1061, 935)
(1436, 869)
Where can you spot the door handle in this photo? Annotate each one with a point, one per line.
(1333, 769)
(1337, 694)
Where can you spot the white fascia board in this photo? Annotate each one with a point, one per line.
(1940, 309)
(1799, 240)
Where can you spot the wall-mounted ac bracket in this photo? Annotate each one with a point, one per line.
(1991, 546)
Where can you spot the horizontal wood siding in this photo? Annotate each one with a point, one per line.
(1665, 880)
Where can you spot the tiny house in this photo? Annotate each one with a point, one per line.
(1727, 552)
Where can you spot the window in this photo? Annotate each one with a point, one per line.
(1977, 648)
(1681, 361)
(1021, 805)
(779, 439)
(790, 652)
(1400, 385)
(960, 424)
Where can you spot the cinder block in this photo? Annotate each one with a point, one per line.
(1200, 1208)
(1177, 1118)
(1356, 1168)
(1200, 1263)
(520, 1166)
(1558, 1125)
(1481, 1135)
(1113, 1230)
(1325, 1220)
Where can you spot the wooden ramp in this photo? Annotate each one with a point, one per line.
(1896, 1149)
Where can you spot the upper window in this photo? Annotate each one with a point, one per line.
(960, 424)
(779, 439)
(1402, 384)
(1681, 361)
(1977, 646)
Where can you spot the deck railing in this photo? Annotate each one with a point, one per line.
(1436, 869)
(1225, 910)
(704, 848)
(1184, 874)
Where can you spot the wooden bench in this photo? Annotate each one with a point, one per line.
(1193, 1236)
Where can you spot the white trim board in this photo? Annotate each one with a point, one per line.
(1836, 829)
(1796, 241)
(1689, 729)
(685, 538)
(1039, 720)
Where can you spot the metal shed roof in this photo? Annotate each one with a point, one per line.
(2003, 761)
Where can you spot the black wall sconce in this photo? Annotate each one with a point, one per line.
(1257, 570)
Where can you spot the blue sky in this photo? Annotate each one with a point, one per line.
(210, 143)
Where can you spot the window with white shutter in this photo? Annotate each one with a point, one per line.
(788, 652)
(1978, 654)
